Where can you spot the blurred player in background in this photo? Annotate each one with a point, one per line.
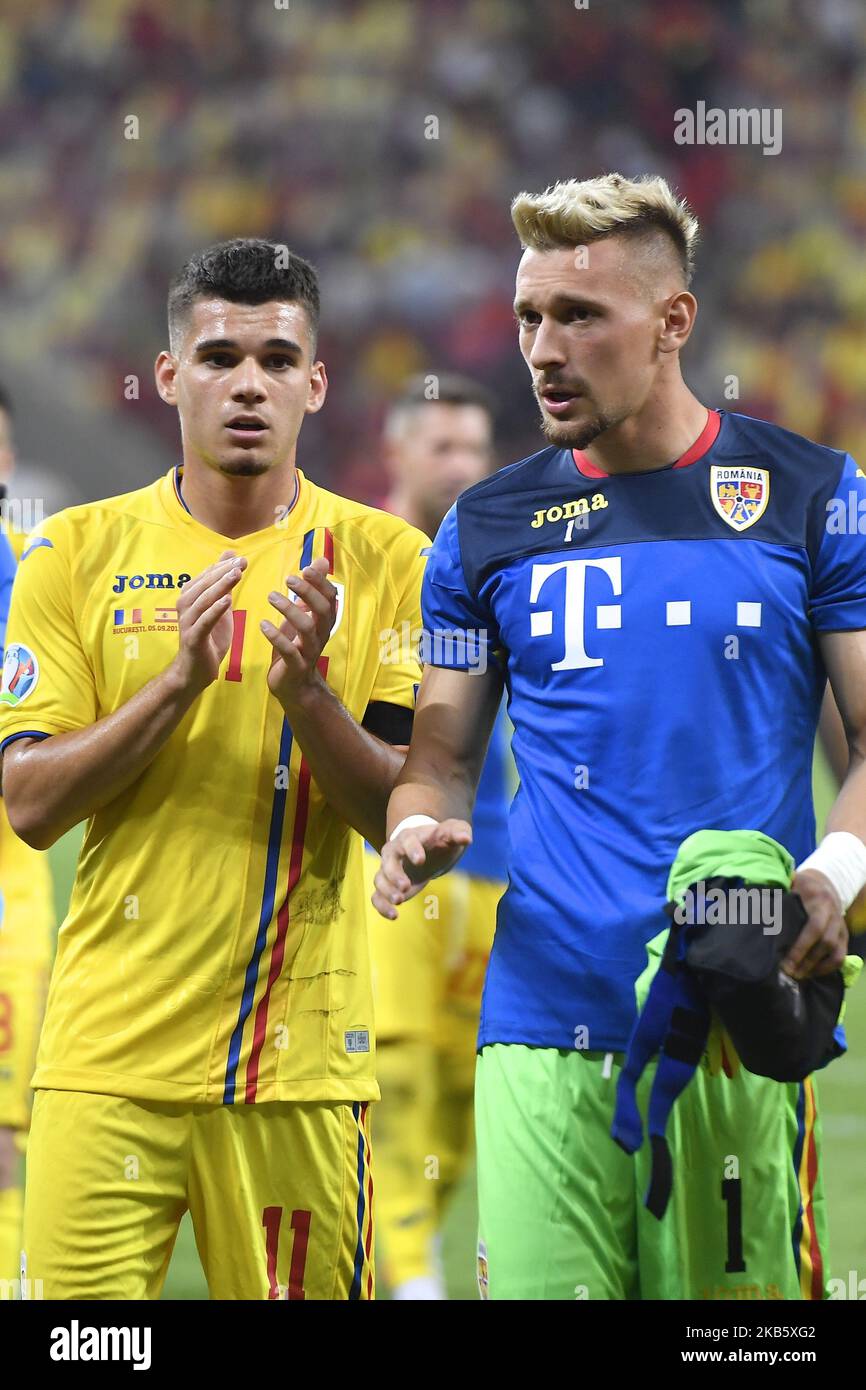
(26, 943)
(662, 592)
(208, 1041)
(428, 969)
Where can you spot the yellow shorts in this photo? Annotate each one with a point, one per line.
(280, 1196)
(23, 986)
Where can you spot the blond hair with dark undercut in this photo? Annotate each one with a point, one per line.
(576, 212)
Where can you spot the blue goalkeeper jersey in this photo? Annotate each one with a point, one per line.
(658, 638)
(487, 856)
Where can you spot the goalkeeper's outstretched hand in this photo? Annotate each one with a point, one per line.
(417, 855)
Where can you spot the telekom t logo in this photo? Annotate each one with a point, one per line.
(607, 614)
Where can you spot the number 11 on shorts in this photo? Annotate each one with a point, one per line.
(271, 1220)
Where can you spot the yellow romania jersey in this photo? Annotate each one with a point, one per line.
(215, 947)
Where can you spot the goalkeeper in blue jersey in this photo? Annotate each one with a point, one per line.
(663, 590)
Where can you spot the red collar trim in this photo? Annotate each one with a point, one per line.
(704, 442)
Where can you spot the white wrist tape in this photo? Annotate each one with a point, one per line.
(841, 857)
(409, 822)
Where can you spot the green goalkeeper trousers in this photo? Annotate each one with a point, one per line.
(561, 1211)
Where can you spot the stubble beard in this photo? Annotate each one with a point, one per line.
(245, 467)
(574, 434)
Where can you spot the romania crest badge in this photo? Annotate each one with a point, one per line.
(739, 495)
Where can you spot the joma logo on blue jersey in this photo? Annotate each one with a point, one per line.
(579, 506)
(149, 581)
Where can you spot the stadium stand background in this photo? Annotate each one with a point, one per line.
(309, 124)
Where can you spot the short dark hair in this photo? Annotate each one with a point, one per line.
(245, 270)
(5, 400)
(438, 388)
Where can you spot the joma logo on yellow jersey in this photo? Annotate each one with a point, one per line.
(579, 507)
(149, 581)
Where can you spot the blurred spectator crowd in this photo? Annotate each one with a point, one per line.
(384, 139)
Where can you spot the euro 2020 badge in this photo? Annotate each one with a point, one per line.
(20, 674)
(739, 494)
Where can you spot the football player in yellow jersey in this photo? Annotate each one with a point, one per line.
(208, 1042)
(26, 941)
(428, 969)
